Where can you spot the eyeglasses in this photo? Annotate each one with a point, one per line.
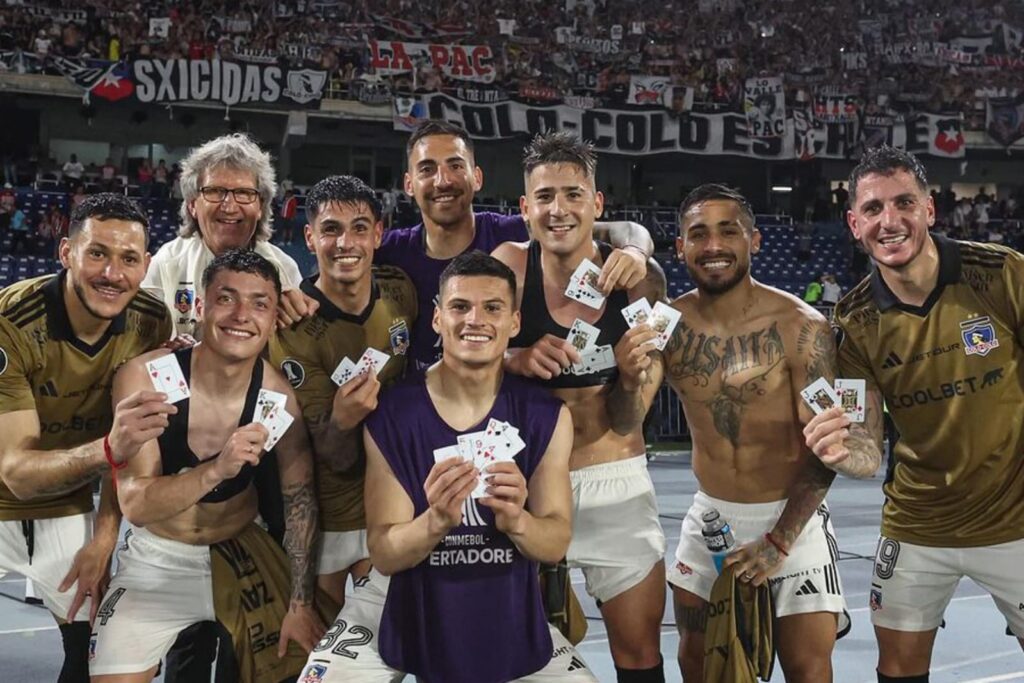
(242, 195)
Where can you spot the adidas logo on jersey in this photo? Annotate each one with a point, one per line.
(807, 588)
(576, 664)
(892, 361)
(48, 389)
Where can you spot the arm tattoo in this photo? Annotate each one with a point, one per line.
(865, 454)
(299, 538)
(626, 408)
(338, 449)
(63, 471)
(817, 344)
(804, 497)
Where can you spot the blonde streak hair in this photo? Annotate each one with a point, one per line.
(236, 151)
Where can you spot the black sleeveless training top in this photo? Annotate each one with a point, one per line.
(175, 454)
(537, 322)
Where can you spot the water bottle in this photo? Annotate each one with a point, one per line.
(718, 537)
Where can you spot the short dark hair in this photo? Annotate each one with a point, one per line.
(105, 206)
(478, 264)
(429, 127)
(886, 160)
(560, 147)
(713, 191)
(242, 261)
(342, 189)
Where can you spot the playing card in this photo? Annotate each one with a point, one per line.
(820, 396)
(596, 359)
(280, 421)
(266, 401)
(583, 335)
(852, 397)
(583, 285)
(372, 358)
(166, 375)
(345, 371)
(637, 313)
(446, 452)
(663, 320)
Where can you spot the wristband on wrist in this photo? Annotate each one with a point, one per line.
(109, 455)
(768, 537)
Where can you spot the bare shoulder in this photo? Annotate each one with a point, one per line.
(792, 312)
(685, 302)
(654, 286)
(511, 254)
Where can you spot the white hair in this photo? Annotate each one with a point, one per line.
(236, 151)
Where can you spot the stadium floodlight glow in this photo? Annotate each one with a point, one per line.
(782, 188)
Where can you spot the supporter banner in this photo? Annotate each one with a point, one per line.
(649, 90)
(854, 61)
(466, 62)
(160, 27)
(109, 80)
(834, 107)
(228, 83)
(765, 106)
(655, 131)
(416, 30)
(877, 130)
(1004, 119)
(371, 92)
(256, 55)
(61, 16)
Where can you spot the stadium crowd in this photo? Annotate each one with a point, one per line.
(889, 57)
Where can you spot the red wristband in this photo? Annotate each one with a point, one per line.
(109, 454)
(768, 537)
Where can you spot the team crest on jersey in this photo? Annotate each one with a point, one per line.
(979, 336)
(183, 299)
(399, 337)
(92, 647)
(3, 361)
(294, 371)
(875, 600)
(313, 673)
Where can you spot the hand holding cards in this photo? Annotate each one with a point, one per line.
(271, 413)
(849, 394)
(371, 359)
(583, 285)
(498, 443)
(167, 377)
(662, 318)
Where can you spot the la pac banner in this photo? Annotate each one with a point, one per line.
(227, 83)
(765, 105)
(656, 131)
(466, 62)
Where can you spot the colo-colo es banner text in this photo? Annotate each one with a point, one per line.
(654, 131)
(227, 83)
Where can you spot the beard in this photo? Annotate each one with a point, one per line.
(80, 293)
(716, 287)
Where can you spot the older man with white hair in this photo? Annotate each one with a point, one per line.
(227, 185)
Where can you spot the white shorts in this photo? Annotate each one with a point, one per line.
(912, 584)
(339, 550)
(56, 541)
(808, 580)
(348, 651)
(616, 535)
(161, 587)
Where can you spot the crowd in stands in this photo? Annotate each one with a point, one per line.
(890, 55)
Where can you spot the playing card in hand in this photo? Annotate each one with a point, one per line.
(583, 336)
(345, 371)
(583, 285)
(820, 396)
(637, 313)
(852, 396)
(663, 320)
(166, 375)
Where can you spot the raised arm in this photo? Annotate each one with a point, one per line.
(641, 366)
(301, 516)
(853, 449)
(399, 539)
(627, 265)
(537, 515)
